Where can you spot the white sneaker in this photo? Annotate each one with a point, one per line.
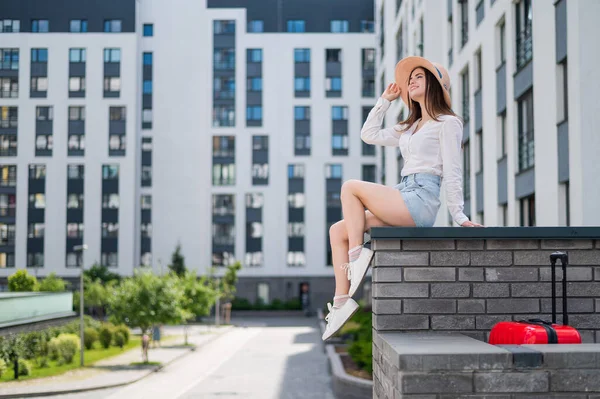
(337, 317)
(357, 270)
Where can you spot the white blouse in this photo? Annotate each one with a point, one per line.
(434, 149)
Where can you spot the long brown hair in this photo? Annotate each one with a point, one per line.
(434, 102)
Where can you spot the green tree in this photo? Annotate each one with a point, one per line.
(228, 281)
(22, 281)
(52, 283)
(102, 273)
(12, 348)
(177, 264)
(146, 299)
(198, 297)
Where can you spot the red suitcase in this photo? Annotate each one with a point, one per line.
(538, 331)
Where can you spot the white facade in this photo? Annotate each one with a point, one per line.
(182, 132)
(551, 204)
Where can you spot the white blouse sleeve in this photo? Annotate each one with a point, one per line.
(372, 133)
(450, 141)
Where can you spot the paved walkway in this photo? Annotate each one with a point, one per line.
(116, 370)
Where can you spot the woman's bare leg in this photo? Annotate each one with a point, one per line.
(384, 202)
(338, 237)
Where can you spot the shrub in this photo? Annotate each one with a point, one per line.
(22, 281)
(119, 339)
(53, 353)
(3, 367)
(277, 304)
(24, 367)
(240, 304)
(106, 336)
(89, 337)
(362, 354)
(123, 329)
(293, 304)
(67, 346)
(43, 362)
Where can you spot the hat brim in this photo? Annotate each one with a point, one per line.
(405, 67)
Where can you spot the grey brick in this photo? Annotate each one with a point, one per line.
(574, 305)
(597, 273)
(533, 381)
(490, 290)
(429, 306)
(529, 290)
(598, 339)
(532, 258)
(573, 274)
(400, 322)
(512, 274)
(478, 335)
(387, 274)
(387, 306)
(487, 322)
(588, 321)
(583, 289)
(399, 395)
(567, 244)
(453, 322)
(476, 396)
(598, 244)
(400, 290)
(587, 336)
(470, 274)
(470, 245)
(512, 244)
(553, 396)
(492, 258)
(386, 245)
(574, 380)
(427, 245)
(450, 258)
(513, 306)
(597, 305)
(471, 305)
(430, 274)
(450, 290)
(584, 257)
(401, 258)
(435, 382)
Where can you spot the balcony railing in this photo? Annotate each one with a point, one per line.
(524, 47)
(526, 150)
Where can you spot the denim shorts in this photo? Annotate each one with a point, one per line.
(421, 194)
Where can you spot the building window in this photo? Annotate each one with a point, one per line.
(296, 26)
(524, 21)
(10, 26)
(501, 44)
(9, 117)
(75, 171)
(339, 26)
(39, 55)
(339, 113)
(302, 113)
(37, 201)
(110, 201)
(478, 72)
(464, 20)
(224, 59)
(562, 92)
(479, 158)
(8, 204)
(117, 113)
(302, 84)
(254, 113)
(147, 87)
(502, 136)
(224, 27)
(368, 173)
(110, 230)
(77, 55)
(333, 55)
(76, 113)
(74, 230)
(465, 95)
(110, 259)
(9, 59)
(146, 202)
(254, 55)
(295, 171)
(44, 142)
(39, 84)
(467, 171)
(263, 293)
(75, 201)
(450, 40)
(254, 84)
(333, 84)
(147, 116)
(112, 55)
(302, 55)
(77, 84)
(339, 142)
(35, 259)
(333, 171)
(526, 128)
(74, 259)
(40, 26)
(116, 142)
(367, 26)
(256, 26)
(8, 145)
(8, 175)
(527, 208)
(35, 230)
(148, 59)
(296, 200)
(44, 113)
(148, 30)
(78, 26)
(112, 26)
(223, 116)
(7, 234)
(110, 172)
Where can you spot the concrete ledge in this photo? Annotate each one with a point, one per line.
(346, 386)
(434, 233)
(267, 313)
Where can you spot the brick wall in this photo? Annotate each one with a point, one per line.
(468, 285)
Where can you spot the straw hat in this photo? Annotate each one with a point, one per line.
(406, 65)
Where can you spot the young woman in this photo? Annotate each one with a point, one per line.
(430, 141)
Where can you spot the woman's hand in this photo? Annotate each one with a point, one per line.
(392, 92)
(468, 223)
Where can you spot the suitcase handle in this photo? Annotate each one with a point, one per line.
(564, 260)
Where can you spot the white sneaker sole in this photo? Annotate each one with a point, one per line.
(344, 314)
(359, 274)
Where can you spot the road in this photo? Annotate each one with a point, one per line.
(270, 358)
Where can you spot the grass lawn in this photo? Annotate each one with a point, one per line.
(89, 356)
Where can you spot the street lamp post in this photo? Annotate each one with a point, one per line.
(80, 249)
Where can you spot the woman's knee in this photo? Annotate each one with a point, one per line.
(349, 187)
(338, 232)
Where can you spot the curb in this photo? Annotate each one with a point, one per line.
(344, 385)
(95, 388)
